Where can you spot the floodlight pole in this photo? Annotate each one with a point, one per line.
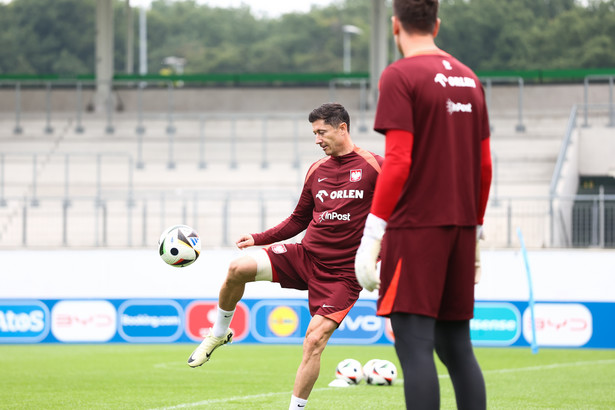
(348, 30)
(104, 52)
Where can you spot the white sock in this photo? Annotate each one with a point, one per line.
(297, 403)
(223, 321)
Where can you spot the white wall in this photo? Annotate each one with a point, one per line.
(597, 151)
(558, 275)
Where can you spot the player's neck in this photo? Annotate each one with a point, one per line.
(345, 150)
(415, 44)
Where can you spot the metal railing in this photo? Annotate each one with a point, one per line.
(118, 216)
(113, 103)
(520, 127)
(220, 216)
(26, 182)
(122, 220)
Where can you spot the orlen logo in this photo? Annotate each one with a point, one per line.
(83, 321)
(321, 195)
(454, 81)
(333, 216)
(361, 325)
(343, 193)
(201, 315)
(23, 322)
(559, 324)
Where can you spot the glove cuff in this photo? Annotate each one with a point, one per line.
(374, 227)
(479, 233)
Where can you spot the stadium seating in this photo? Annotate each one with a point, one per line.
(229, 172)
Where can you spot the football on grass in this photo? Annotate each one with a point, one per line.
(179, 246)
(350, 371)
(382, 373)
(369, 367)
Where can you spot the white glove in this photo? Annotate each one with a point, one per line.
(479, 233)
(367, 254)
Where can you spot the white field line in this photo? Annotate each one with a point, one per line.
(442, 376)
(227, 399)
(551, 366)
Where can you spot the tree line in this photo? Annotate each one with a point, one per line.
(42, 37)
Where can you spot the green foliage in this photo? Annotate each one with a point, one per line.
(39, 37)
(529, 34)
(36, 36)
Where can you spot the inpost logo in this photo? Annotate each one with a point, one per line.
(334, 216)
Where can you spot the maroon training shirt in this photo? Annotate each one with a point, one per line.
(334, 203)
(441, 102)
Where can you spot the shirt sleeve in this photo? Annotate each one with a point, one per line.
(296, 223)
(394, 110)
(395, 172)
(485, 178)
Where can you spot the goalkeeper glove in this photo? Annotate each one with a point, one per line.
(368, 252)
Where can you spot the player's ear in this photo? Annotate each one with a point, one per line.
(395, 25)
(436, 28)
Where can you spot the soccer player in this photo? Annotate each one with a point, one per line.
(430, 200)
(335, 200)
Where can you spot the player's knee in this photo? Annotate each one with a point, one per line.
(315, 342)
(237, 272)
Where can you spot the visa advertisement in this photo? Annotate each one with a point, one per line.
(284, 321)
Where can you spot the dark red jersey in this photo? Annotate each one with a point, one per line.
(334, 203)
(441, 102)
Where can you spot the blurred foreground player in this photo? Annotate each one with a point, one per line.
(430, 199)
(335, 200)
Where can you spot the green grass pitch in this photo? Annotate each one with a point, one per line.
(245, 376)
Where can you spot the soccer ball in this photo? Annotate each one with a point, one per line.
(350, 371)
(179, 246)
(383, 373)
(369, 367)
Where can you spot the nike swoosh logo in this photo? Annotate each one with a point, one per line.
(322, 179)
(326, 306)
(227, 316)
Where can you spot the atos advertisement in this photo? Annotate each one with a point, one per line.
(285, 321)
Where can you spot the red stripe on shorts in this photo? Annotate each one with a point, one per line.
(274, 274)
(337, 317)
(389, 297)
